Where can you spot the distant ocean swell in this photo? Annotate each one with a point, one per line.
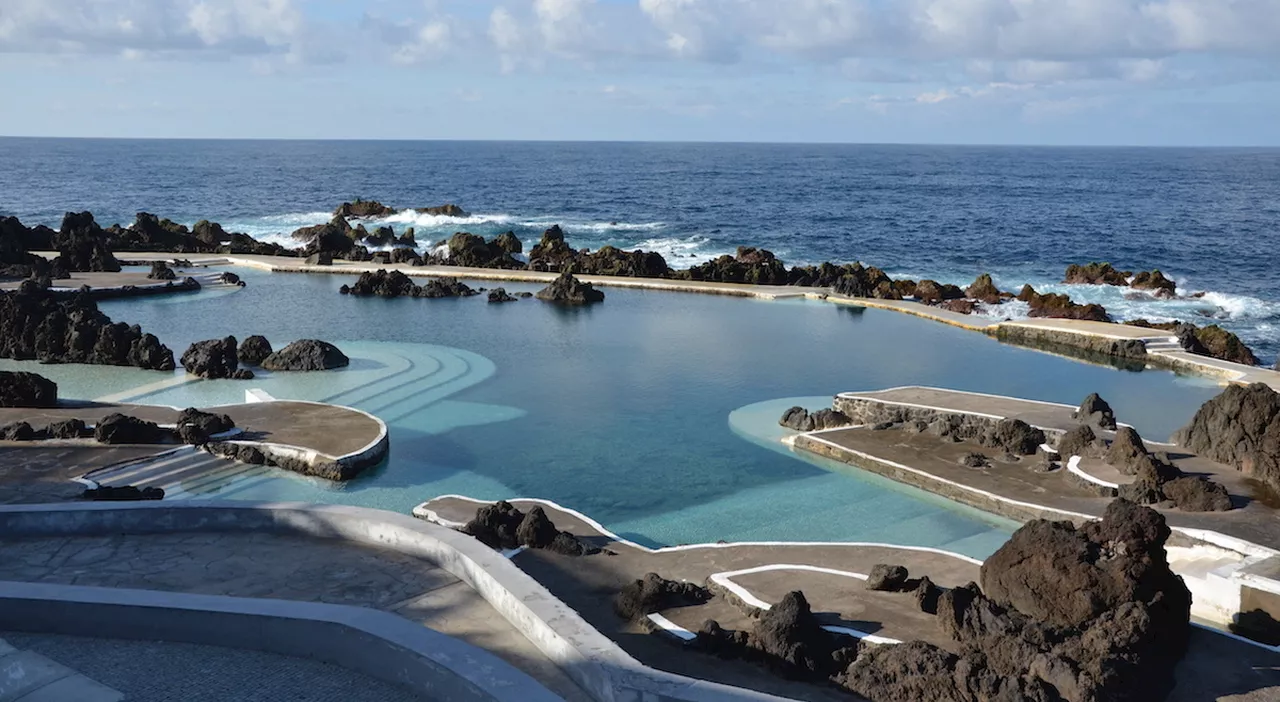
(1255, 320)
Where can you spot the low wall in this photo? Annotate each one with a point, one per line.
(1125, 354)
(368, 641)
(595, 662)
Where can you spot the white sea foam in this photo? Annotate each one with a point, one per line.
(417, 220)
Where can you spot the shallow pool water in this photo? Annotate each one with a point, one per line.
(643, 412)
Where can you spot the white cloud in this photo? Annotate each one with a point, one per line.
(432, 40)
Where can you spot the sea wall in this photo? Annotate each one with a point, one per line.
(1125, 354)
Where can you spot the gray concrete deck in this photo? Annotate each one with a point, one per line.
(282, 567)
(329, 429)
(33, 475)
(1216, 667)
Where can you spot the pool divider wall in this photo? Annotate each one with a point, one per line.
(595, 662)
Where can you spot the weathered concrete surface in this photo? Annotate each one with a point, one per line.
(31, 475)
(273, 566)
(27, 676)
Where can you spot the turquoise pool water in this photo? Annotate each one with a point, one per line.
(653, 412)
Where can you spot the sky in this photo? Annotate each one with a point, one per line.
(1107, 72)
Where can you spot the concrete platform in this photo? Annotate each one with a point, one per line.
(749, 576)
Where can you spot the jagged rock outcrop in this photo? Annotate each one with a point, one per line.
(1081, 441)
(118, 428)
(857, 280)
(1240, 427)
(17, 431)
(502, 525)
(306, 355)
(35, 325)
(653, 593)
(254, 350)
(82, 245)
(568, 290)
(500, 295)
(887, 578)
(16, 244)
(473, 251)
(335, 238)
(984, 290)
(801, 419)
(196, 427)
(23, 389)
(1063, 614)
(933, 292)
(1095, 410)
(161, 271)
(749, 265)
(787, 638)
(215, 358)
(66, 429)
(405, 255)
(363, 208)
(1212, 341)
(509, 242)
(151, 233)
(449, 210)
(551, 253)
(1095, 274)
(1060, 307)
(1156, 282)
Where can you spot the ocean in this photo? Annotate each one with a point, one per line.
(1209, 218)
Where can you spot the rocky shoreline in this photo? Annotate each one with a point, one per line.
(85, 246)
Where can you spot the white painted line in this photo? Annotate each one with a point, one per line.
(256, 395)
(672, 628)
(422, 511)
(1073, 465)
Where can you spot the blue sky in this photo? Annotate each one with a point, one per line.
(1198, 72)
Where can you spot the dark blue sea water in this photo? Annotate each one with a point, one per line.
(1208, 217)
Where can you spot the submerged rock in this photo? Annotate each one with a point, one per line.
(449, 210)
(363, 208)
(500, 295)
(306, 355)
(568, 290)
(23, 389)
(1095, 274)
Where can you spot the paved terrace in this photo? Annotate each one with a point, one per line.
(1013, 489)
(275, 566)
(329, 429)
(747, 576)
(1160, 350)
(105, 285)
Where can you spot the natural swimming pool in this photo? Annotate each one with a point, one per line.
(641, 412)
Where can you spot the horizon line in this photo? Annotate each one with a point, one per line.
(645, 141)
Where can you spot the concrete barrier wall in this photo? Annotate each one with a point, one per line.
(595, 662)
(369, 641)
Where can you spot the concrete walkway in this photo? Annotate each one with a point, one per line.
(27, 676)
(1160, 352)
(282, 567)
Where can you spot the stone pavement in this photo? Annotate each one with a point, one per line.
(283, 567)
(27, 676)
(150, 671)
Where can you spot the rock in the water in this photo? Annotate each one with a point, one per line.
(1241, 428)
(800, 419)
(447, 287)
(653, 593)
(933, 292)
(887, 578)
(1060, 307)
(121, 429)
(569, 290)
(254, 350)
(1095, 410)
(449, 210)
(363, 208)
(34, 324)
(500, 295)
(1156, 282)
(23, 389)
(1095, 274)
(473, 251)
(749, 265)
(212, 359)
(122, 493)
(306, 355)
(985, 290)
(161, 271)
